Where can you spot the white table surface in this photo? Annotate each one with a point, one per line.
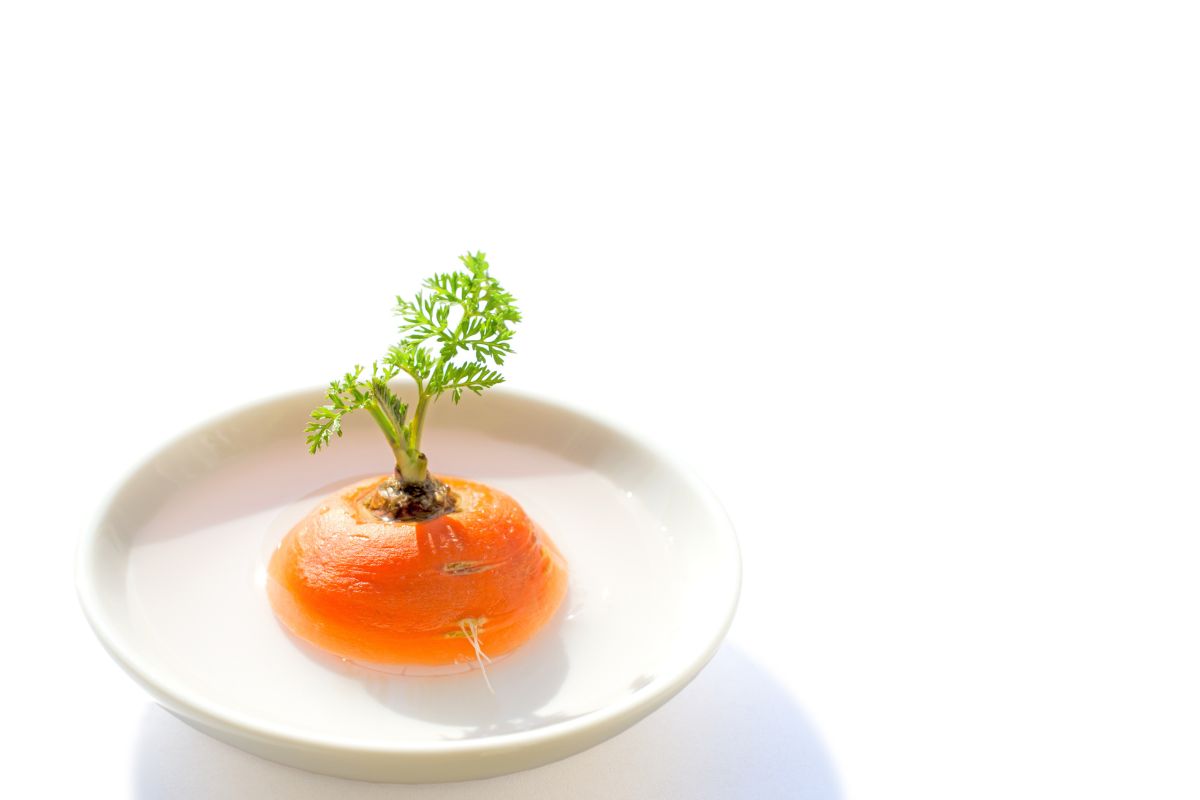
(922, 276)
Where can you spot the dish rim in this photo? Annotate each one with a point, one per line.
(676, 675)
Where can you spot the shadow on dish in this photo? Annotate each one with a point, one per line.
(734, 732)
(524, 682)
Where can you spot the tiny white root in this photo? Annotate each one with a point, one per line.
(470, 629)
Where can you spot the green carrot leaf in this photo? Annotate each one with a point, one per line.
(454, 333)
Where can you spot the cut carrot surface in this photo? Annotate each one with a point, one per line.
(417, 592)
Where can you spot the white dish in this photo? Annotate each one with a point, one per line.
(172, 580)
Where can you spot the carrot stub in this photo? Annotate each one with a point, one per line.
(419, 592)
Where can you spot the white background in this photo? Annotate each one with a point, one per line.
(920, 276)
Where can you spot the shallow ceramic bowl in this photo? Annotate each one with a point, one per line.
(172, 580)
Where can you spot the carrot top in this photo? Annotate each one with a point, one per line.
(455, 333)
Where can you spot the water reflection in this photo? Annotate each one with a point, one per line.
(522, 684)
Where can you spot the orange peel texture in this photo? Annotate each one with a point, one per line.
(417, 592)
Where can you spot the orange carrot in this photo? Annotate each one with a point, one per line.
(417, 592)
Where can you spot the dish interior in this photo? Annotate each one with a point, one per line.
(184, 546)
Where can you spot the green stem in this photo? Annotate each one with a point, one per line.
(415, 467)
(418, 423)
(394, 438)
(411, 465)
(417, 426)
(384, 424)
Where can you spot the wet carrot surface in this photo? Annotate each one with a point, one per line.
(417, 592)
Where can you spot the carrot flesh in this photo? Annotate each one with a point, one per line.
(417, 592)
